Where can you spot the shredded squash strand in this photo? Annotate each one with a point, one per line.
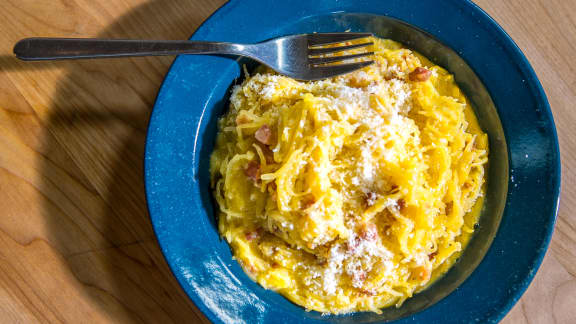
(352, 193)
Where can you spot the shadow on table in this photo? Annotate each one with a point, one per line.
(93, 172)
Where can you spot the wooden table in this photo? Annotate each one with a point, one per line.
(76, 244)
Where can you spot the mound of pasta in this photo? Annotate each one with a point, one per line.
(351, 193)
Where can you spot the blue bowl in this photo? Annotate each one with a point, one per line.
(523, 176)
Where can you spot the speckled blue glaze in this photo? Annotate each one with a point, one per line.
(194, 94)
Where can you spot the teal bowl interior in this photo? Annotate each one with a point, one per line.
(468, 81)
(181, 138)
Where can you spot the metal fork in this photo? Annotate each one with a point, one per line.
(298, 56)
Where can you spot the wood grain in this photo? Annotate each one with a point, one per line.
(76, 245)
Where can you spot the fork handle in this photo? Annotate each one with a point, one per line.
(39, 48)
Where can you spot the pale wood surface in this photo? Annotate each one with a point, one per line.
(76, 245)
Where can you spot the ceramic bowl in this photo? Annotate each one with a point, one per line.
(523, 177)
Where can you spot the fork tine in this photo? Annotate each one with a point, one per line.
(328, 71)
(331, 38)
(323, 60)
(320, 51)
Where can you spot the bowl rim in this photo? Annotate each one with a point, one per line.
(539, 95)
